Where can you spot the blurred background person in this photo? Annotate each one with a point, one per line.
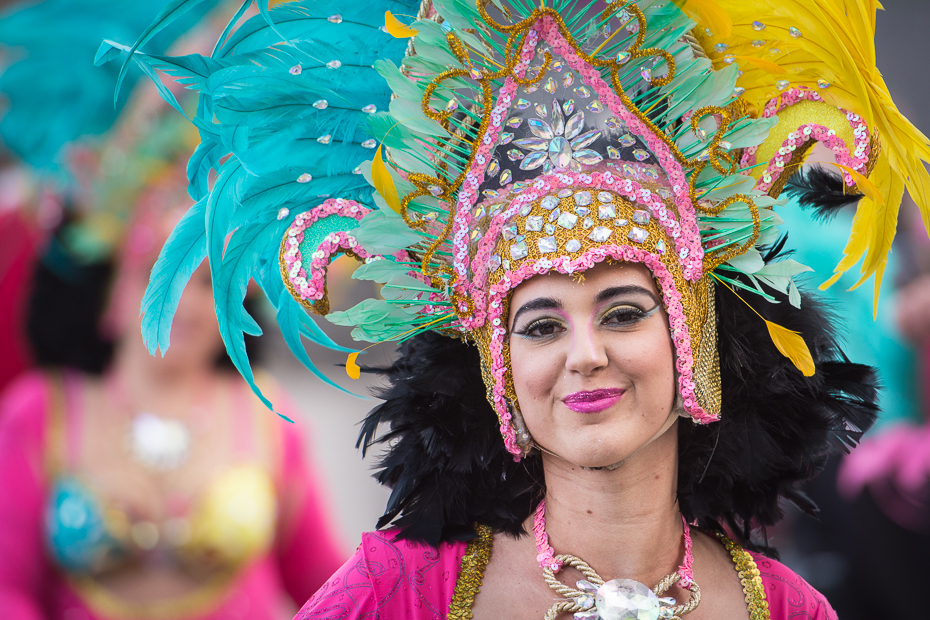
(138, 482)
(135, 486)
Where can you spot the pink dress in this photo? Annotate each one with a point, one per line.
(32, 588)
(390, 579)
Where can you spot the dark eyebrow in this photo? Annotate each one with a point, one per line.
(630, 289)
(540, 303)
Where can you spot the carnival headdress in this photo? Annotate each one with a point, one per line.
(521, 139)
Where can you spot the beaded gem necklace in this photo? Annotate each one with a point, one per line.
(617, 599)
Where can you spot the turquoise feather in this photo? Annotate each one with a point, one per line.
(257, 111)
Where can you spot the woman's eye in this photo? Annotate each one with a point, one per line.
(624, 315)
(541, 329)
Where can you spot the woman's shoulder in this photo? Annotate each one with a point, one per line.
(788, 595)
(388, 574)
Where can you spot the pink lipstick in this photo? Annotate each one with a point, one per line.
(594, 401)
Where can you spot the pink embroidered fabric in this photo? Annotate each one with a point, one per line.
(389, 578)
(788, 595)
(31, 588)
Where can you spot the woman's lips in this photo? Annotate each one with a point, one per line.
(594, 401)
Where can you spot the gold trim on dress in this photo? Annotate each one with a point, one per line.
(476, 558)
(751, 579)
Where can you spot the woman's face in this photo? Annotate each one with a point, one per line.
(593, 362)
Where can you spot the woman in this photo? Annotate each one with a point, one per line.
(147, 487)
(576, 204)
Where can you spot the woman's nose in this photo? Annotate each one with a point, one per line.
(587, 352)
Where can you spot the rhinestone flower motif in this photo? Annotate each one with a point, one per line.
(558, 143)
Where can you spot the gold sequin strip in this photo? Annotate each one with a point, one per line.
(751, 579)
(476, 558)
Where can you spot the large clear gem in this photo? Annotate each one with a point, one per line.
(541, 129)
(494, 263)
(582, 211)
(506, 177)
(605, 197)
(606, 212)
(567, 220)
(541, 110)
(558, 120)
(596, 106)
(525, 209)
(588, 223)
(533, 144)
(583, 199)
(514, 122)
(550, 229)
(533, 161)
(600, 234)
(572, 245)
(627, 140)
(626, 599)
(547, 245)
(641, 217)
(560, 152)
(637, 235)
(583, 92)
(522, 104)
(494, 167)
(510, 232)
(575, 125)
(565, 193)
(534, 223)
(506, 137)
(588, 157)
(519, 250)
(549, 203)
(585, 139)
(555, 215)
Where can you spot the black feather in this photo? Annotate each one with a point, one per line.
(825, 191)
(778, 427)
(446, 463)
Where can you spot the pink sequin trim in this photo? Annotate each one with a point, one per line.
(313, 287)
(857, 160)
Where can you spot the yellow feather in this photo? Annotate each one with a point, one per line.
(397, 29)
(352, 367)
(791, 344)
(865, 185)
(384, 184)
(765, 65)
(709, 14)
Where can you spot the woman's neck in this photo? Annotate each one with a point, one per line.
(625, 523)
(154, 381)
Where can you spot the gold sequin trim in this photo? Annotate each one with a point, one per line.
(476, 558)
(751, 579)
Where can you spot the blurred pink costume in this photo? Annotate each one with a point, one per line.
(389, 579)
(33, 588)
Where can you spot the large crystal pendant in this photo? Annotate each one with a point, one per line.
(626, 599)
(560, 152)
